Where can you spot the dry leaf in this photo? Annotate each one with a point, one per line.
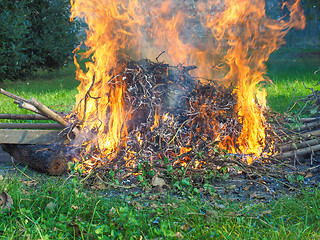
(154, 205)
(112, 212)
(51, 206)
(1, 178)
(74, 207)
(211, 214)
(231, 187)
(185, 227)
(5, 201)
(157, 181)
(178, 235)
(265, 212)
(219, 206)
(256, 196)
(153, 197)
(99, 186)
(136, 205)
(30, 183)
(309, 174)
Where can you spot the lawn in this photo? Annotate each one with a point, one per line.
(55, 89)
(46, 207)
(41, 210)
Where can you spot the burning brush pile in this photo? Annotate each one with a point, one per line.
(198, 106)
(131, 111)
(171, 115)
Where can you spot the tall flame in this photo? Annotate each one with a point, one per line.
(100, 104)
(228, 38)
(250, 36)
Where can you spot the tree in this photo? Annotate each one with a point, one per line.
(14, 34)
(35, 34)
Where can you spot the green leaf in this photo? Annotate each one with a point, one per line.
(291, 178)
(314, 110)
(140, 178)
(300, 178)
(186, 182)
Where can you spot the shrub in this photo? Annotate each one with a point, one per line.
(14, 34)
(34, 34)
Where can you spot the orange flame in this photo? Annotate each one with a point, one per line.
(251, 36)
(156, 120)
(138, 28)
(100, 104)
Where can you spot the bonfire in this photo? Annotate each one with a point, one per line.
(197, 104)
(202, 94)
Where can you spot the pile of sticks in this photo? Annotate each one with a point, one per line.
(192, 112)
(303, 140)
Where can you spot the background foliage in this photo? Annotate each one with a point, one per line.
(34, 34)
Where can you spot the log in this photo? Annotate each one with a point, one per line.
(299, 152)
(308, 126)
(43, 158)
(31, 126)
(23, 116)
(307, 120)
(32, 108)
(295, 146)
(315, 133)
(53, 115)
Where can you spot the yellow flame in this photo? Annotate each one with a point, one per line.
(239, 39)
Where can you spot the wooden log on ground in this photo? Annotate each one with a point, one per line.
(23, 116)
(307, 126)
(299, 152)
(308, 120)
(296, 146)
(42, 158)
(315, 133)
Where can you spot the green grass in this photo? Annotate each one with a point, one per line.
(58, 208)
(288, 71)
(55, 89)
